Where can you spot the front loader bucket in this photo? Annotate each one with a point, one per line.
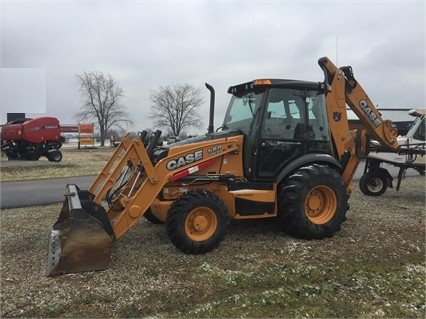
(82, 238)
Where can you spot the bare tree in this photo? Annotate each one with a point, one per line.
(102, 103)
(176, 108)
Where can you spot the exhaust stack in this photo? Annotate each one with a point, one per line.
(210, 129)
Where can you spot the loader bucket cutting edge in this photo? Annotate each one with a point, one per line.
(82, 237)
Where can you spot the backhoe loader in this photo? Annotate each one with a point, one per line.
(284, 151)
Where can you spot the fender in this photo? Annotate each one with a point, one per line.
(308, 159)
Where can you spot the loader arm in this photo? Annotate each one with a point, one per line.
(82, 237)
(100, 179)
(351, 146)
(139, 191)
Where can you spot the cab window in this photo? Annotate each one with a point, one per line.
(421, 134)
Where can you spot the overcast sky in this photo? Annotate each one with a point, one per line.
(148, 44)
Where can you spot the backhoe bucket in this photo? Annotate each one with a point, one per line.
(82, 238)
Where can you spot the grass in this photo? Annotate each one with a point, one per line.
(75, 162)
(295, 289)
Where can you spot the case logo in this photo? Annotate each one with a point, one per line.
(370, 114)
(184, 160)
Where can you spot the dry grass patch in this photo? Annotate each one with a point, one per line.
(74, 163)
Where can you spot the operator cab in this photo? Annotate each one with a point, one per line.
(418, 127)
(281, 120)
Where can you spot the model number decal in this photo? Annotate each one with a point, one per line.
(214, 150)
(184, 160)
(373, 118)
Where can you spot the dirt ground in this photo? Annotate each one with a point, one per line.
(373, 268)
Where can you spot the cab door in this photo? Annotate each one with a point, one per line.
(294, 124)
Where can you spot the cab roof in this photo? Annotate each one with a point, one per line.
(417, 112)
(263, 83)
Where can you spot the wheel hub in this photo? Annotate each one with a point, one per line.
(320, 205)
(375, 184)
(200, 223)
(314, 203)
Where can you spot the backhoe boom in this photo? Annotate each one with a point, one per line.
(351, 146)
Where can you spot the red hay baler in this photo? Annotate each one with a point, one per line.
(29, 139)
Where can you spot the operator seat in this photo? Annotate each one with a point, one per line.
(300, 129)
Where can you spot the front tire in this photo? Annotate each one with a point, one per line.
(149, 216)
(313, 202)
(197, 221)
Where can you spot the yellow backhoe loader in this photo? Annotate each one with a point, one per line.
(284, 151)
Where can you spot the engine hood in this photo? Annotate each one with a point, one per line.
(207, 137)
(163, 151)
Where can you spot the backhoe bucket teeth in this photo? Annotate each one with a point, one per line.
(82, 238)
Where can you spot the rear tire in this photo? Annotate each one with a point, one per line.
(197, 221)
(54, 156)
(373, 184)
(313, 202)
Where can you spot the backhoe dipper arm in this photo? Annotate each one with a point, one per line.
(344, 89)
(358, 100)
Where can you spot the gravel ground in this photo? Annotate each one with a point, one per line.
(374, 267)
